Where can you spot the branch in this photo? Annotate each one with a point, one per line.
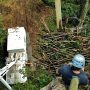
(45, 25)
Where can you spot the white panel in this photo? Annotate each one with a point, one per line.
(16, 46)
(16, 39)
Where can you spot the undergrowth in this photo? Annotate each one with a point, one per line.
(36, 79)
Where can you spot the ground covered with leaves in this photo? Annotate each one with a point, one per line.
(60, 47)
(52, 48)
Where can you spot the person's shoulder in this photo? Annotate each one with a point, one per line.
(65, 67)
(82, 72)
(83, 78)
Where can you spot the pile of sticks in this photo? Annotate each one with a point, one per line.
(58, 48)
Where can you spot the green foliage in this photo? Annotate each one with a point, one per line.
(69, 9)
(4, 1)
(1, 20)
(36, 80)
(87, 87)
(25, 86)
(49, 2)
(3, 35)
(3, 51)
(86, 30)
(52, 23)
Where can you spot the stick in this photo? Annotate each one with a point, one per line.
(45, 25)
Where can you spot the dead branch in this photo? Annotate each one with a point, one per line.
(45, 25)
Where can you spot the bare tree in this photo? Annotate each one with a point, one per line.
(84, 12)
(58, 14)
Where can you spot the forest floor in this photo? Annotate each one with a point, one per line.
(50, 48)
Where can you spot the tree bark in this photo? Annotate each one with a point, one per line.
(58, 14)
(84, 13)
(81, 2)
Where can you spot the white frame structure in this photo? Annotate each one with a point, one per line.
(16, 47)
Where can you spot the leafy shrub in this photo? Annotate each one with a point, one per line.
(69, 7)
(86, 30)
(3, 35)
(3, 52)
(49, 2)
(52, 23)
(36, 80)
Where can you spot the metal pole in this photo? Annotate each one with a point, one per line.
(6, 68)
(5, 83)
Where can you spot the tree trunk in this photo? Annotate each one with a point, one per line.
(81, 2)
(84, 13)
(58, 14)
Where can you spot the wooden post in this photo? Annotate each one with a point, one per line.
(58, 14)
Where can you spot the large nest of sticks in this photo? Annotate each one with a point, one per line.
(58, 48)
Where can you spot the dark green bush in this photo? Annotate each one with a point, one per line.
(3, 44)
(36, 80)
(69, 7)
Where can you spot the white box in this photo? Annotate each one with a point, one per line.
(16, 40)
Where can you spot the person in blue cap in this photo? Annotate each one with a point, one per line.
(76, 68)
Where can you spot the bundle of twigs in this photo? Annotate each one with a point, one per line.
(59, 48)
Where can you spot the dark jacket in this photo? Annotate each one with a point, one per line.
(67, 74)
